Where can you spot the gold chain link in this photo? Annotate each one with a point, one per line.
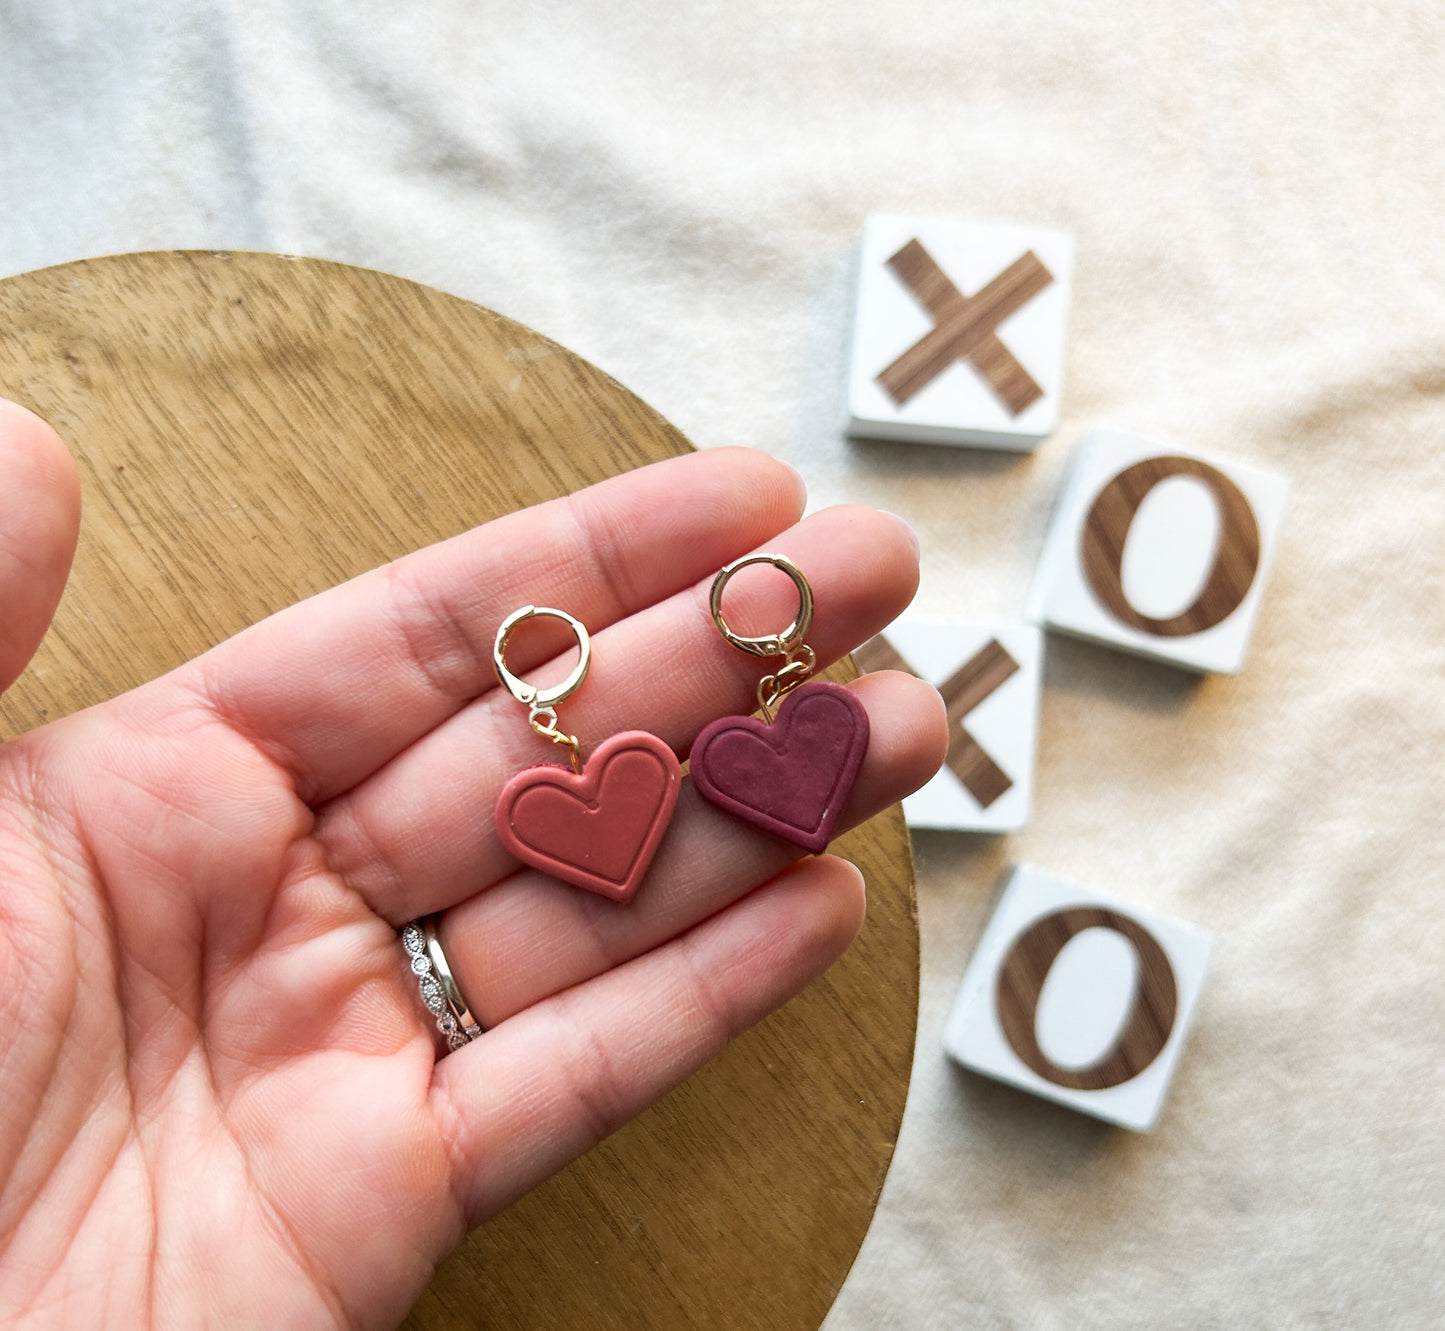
(772, 689)
(550, 731)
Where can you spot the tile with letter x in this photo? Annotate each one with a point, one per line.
(1079, 999)
(989, 675)
(958, 332)
(1159, 551)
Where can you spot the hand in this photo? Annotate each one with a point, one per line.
(220, 1098)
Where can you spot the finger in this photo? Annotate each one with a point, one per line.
(531, 936)
(419, 835)
(333, 687)
(39, 526)
(544, 1087)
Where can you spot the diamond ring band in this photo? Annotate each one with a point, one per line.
(438, 988)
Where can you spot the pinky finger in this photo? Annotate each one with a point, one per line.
(551, 1082)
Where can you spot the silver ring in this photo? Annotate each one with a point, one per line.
(438, 988)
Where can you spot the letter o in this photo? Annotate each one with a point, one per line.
(1236, 556)
(1151, 1014)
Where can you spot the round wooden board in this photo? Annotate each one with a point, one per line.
(252, 429)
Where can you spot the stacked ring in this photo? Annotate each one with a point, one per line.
(438, 989)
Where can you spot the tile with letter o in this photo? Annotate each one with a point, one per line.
(989, 675)
(958, 332)
(1159, 551)
(1079, 999)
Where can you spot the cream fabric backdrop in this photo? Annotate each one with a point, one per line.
(673, 191)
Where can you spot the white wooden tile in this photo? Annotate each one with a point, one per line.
(989, 674)
(1081, 1024)
(997, 375)
(1197, 535)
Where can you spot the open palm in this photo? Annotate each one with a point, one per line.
(220, 1098)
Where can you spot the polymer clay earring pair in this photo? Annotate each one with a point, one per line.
(599, 824)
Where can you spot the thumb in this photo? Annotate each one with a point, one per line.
(39, 525)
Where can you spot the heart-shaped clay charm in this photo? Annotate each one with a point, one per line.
(600, 829)
(790, 778)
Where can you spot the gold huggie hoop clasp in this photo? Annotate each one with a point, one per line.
(799, 659)
(542, 703)
(777, 644)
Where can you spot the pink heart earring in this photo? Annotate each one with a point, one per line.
(598, 826)
(789, 774)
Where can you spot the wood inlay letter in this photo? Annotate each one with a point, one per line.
(1151, 1014)
(968, 686)
(962, 691)
(1236, 556)
(965, 327)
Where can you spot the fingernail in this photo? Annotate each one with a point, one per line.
(908, 527)
(802, 485)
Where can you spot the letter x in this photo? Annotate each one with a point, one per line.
(965, 327)
(969, 685)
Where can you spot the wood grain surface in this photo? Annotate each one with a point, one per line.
(975, 680)
(1106, 532)
(1146, 1028)
(251, 429)
(966, 327)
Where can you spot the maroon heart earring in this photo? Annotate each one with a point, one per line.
(791, 772)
